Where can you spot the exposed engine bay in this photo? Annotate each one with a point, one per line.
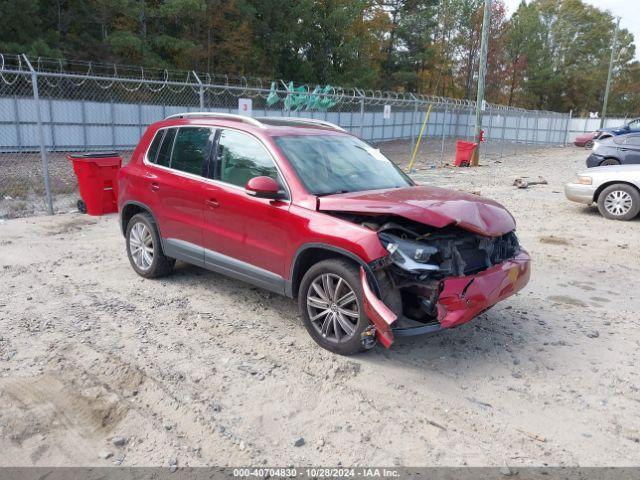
(421, 256)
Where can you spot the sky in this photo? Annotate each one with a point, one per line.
(629, 13)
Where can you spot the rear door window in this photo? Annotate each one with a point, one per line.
(191, 149)
(634, 141)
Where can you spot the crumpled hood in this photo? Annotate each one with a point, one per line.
(433, 206)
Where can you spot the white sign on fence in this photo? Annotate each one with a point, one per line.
(386, 113)
(245, 106)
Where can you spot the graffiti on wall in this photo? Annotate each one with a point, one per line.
(300, 98)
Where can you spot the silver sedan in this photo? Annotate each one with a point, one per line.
(615, 189)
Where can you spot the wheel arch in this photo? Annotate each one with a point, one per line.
(599, 190)
(311, 253)
(132, 208)
(610, 157)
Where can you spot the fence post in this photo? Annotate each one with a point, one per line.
(361, 115)
(43, 150)
(504, 127)
(446, 111)
(566, 131)
(112, 113)
(414, 133)
(18, 122)
(488, 132)
(517, 139)
(547, 139)
(200, 89)
(83, 117)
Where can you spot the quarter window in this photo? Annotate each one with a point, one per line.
(241, 157)
(164, 154)
(155, 146)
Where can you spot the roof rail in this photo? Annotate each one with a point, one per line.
(223, 116)
(300, 120)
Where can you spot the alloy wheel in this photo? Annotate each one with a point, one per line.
(618, 202)
(333, 307)
(141, 246)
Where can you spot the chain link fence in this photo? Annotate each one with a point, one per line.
(49, 108)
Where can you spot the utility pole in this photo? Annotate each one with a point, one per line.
(484, 46)
(614, 47)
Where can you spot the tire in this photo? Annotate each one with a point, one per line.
(609, 161)
(333, 340)
(588, 145)
(82, 207)
(619, 202)
(153, 263)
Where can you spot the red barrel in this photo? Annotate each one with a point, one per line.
(97, 181)
(464, 152)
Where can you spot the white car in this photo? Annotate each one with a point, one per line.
(615, 189)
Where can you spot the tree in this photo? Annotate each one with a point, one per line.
(523, 44)
(551, 54)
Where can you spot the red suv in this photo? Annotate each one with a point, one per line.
(303, 208)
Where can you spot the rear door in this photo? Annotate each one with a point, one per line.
(631, 149)
(176, 176)
(244, 236)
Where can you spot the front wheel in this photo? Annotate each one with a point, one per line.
(331, 306)
(589, 144)
(619, 202)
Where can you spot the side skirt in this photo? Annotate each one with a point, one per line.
(219, 263)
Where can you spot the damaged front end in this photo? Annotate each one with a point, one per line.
(435, 278)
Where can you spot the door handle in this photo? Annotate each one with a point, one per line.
(155, 186)
(624, 149)
(212, 202)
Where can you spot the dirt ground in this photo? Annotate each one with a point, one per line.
(99, 366)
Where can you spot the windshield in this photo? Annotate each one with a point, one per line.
(329, 164)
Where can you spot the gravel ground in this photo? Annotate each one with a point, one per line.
(99, 366)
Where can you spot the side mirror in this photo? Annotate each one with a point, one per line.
(262, 187)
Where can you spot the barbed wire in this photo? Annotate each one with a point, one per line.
(133, 78)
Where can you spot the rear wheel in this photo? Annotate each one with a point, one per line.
(619, 202)
(609, 161)
(331, 306)
(589, 144)
(144, 248)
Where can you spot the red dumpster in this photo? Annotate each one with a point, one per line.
(464, 152)
(97, 181)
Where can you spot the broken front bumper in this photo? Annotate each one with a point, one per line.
(461, 299)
